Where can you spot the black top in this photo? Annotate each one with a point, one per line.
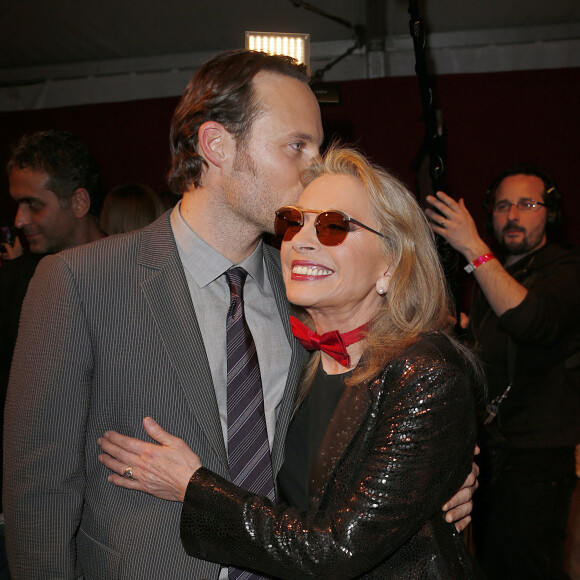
(305, 435)
(543, 406)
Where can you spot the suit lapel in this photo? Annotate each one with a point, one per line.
(169, 300)
(297, 362)
(352, 408)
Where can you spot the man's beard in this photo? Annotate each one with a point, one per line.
(524, 246)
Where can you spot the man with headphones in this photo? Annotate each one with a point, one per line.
(525, 325)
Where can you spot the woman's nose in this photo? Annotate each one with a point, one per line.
(306, 237)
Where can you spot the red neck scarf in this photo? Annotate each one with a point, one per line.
(333, 343)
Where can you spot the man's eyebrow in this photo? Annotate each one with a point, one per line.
(27, 199)
(307, 137)
(302, 136)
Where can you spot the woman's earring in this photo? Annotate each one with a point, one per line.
(383, 283)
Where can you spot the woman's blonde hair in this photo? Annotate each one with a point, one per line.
(130, 207)
(417, 300)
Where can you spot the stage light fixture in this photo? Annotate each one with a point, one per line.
(295, 45)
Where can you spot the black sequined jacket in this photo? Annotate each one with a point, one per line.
(404, 446)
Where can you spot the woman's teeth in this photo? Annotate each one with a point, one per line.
(310, 271)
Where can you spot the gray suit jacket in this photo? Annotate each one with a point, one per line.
(109, 335)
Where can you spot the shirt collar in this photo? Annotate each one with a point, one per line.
(203, 262)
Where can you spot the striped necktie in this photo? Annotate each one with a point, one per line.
(248, 449)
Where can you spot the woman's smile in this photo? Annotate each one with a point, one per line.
(306, 270)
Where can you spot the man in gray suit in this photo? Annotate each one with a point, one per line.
(135, 326)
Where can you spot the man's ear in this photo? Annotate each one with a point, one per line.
(215, 143)
(80, 202)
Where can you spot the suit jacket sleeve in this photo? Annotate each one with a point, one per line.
(47, 403)
(410, 454)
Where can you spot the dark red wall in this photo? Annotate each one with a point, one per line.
(129, 140)
(491, 121)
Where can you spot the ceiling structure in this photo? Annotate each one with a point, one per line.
(73, 51)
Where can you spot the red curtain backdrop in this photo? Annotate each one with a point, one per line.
(491, 121)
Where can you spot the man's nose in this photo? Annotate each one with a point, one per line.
(22, 218)
(513, 213)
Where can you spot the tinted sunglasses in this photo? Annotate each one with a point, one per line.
(332, 226)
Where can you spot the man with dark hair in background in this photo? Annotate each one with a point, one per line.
(139, 325)
(525, 325)
(57, 185)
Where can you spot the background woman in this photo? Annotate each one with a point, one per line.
(385, 429)
(130, 207)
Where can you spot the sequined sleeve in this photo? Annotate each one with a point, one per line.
(411, 452)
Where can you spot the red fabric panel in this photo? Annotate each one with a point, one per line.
(491, 121)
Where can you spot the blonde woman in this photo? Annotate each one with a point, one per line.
(384, 430)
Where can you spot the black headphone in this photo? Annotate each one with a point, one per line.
(551, 196)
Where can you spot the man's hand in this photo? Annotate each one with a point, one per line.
(10, 252)
(455, 224)
(459, 507)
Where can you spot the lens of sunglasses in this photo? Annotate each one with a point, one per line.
(288, 223)
(331, 226)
